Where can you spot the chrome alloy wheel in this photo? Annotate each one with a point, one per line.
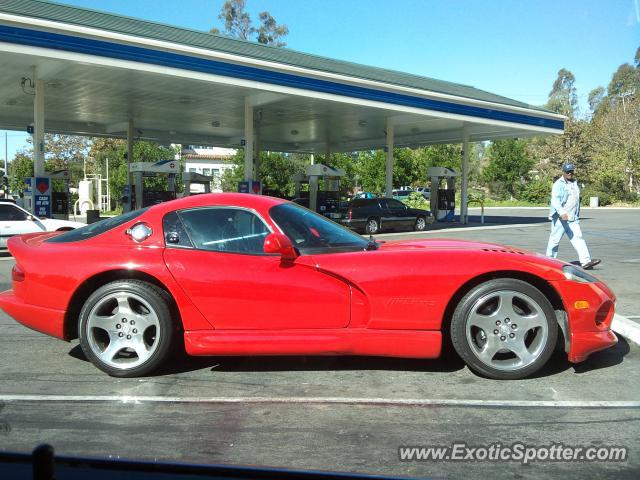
(123, 330)
(421, 223)
(507, 330)
(372, 226)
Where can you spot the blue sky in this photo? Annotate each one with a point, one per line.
(509, 47)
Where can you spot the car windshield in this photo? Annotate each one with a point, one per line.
(311, 233)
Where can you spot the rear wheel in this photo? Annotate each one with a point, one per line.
(421, 224)
(126, 328)
(504, 329)
(372, 226)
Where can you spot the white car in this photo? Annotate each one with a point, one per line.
(15, 220)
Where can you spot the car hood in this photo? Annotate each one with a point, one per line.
(448, 244)
(478, 250)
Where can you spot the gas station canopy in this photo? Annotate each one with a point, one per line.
(78, 71)
(185, 86)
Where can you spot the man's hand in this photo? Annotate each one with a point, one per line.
(564, 216)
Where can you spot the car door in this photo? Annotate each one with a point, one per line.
(216, 255)
(397, 215)
(15, 221)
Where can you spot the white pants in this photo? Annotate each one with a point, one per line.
(572, 229)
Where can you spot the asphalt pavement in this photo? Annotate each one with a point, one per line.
(343, 414)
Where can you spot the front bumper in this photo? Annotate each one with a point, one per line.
(588, 328)
(45, 320)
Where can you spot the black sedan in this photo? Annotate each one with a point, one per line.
(372, 215)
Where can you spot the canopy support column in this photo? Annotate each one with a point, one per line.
(389, 166)
(129, 149)
(248, 141)
(465, 176)
(38, 126)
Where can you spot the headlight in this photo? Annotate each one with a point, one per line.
(576, 274)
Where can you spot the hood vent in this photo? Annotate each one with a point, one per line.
(501, 250)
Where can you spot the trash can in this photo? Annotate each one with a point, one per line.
(93, 216)
(594, 202)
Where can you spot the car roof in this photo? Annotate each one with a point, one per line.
(212, 199)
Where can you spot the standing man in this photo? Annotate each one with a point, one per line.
(564, 216)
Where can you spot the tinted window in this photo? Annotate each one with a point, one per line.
(395, 204)
(94, 229)
(313, 233)
(11, 213)
(221, 229)
(174, 232)
(364, 202)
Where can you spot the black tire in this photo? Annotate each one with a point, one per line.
(103, 320)
(474, 322)
(372, 226)
(421, 223)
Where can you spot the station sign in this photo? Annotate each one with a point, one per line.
(42, 197)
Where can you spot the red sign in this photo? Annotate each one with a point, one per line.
(42, 187)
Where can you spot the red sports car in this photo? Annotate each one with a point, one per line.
(240, 274)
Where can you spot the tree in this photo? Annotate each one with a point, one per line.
(596, 96)
(563, 98)
(637, 58)
(20, 168)
(270, 33)
(626, 81)
(508, 167)
(238, 24)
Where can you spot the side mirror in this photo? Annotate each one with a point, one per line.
(31, 218)
(280, 244)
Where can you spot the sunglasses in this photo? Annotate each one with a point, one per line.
(570, 172)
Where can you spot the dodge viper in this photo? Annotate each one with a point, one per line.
(242, 274)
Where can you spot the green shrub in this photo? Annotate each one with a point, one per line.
(416, 200)
(537, 191)
(604, 198)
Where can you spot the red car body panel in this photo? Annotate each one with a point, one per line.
(391, 301)
(346, 341)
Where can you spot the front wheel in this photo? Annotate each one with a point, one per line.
(504, 329)
(126, 328)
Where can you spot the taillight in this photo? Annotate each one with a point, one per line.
(17, 274)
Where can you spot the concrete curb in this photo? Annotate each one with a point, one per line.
(627, 328)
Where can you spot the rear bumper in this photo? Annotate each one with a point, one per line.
(45, 320)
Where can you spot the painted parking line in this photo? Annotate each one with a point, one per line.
(626, 327)
(381, 402)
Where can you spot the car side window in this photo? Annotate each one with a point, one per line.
(11, 213)
(395, 204)
(175, 235)
(222, 229)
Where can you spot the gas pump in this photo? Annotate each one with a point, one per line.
(443, 192)
(60, 196)
(200, 181)
(324, 188)
(136, 196)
